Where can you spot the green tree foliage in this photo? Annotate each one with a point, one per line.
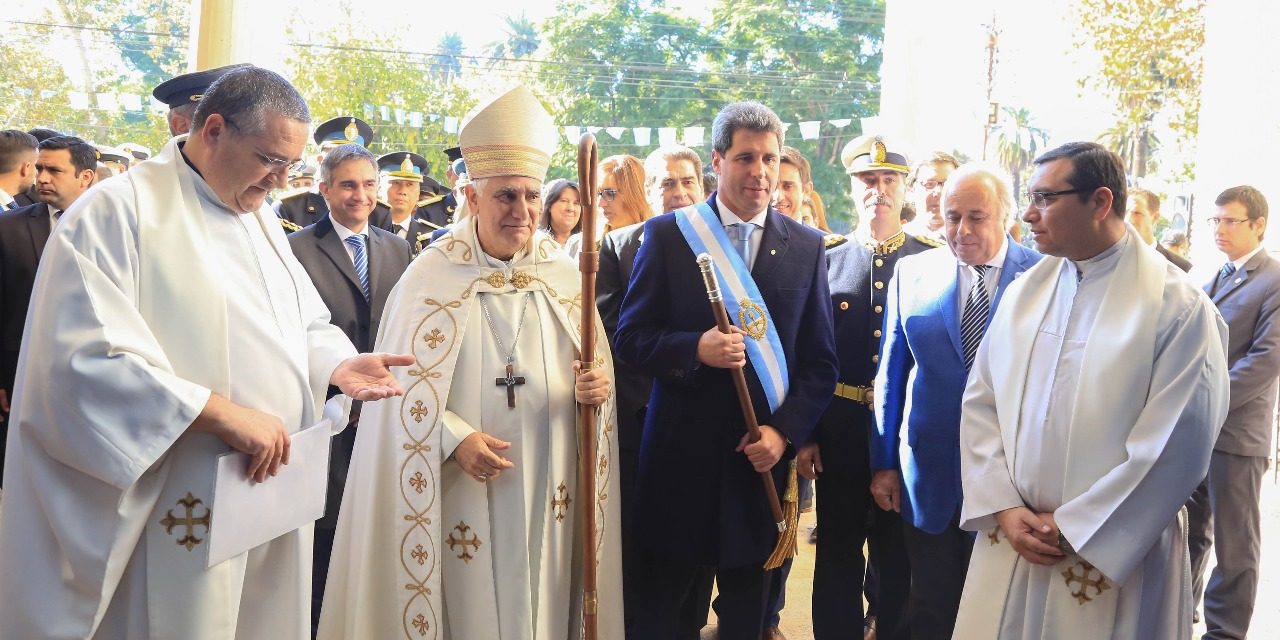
(1017, 143)
(447, 65)
(1152, 66)
(521, 41)
(116, 47)
(358, 78)
(636, 63)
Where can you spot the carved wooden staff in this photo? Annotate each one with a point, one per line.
(787, 523)
(588, 264)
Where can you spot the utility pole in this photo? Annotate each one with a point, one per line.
(993, 110)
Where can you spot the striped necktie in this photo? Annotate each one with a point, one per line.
(973, 324)
(1227, 269)
(361, 260)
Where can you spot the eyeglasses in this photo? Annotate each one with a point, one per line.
(608, 195)
(930, 185)
(1040, 199)
(1230, 222)
(270, 162)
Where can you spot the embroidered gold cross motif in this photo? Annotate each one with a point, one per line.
(752, 320)
(1084, 580)
(418, 481)
(994, 536)
(419, 554)
(418, 411)
(511, 380)
(188, 521)
(434, 338)
(560, 504)
(463, 541)
(420, 623)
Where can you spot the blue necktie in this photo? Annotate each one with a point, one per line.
(356, 242)
(1227, 269)
(13, 204)
(742, 236)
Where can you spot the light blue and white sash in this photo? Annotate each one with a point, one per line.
(704, 232)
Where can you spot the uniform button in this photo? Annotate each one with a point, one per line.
(879, 309)
(876, 333)
(879, 262)
(879, 285)
(844, 306)
(875, 358)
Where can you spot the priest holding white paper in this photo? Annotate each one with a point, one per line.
(1088, 420)
(460, 515)
(170, 323)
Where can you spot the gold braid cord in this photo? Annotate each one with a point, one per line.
(420, 417)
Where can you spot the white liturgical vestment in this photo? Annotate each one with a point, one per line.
(151, 295)
(1097, 397)
(425, 551)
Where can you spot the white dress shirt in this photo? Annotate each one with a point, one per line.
(728, 217)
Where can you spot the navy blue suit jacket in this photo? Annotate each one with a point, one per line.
(922, 378)
(698, 500)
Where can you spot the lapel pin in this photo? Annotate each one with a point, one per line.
(773, 252)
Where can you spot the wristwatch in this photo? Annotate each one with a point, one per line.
(1064, 546)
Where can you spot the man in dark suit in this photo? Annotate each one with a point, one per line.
(17, 166)
(667, 171)
(64, 171)
(837, 456)
(939, 305)
(700, 507)
(1143, 214)
(354, 266)
(308, 206)
(1224, 510)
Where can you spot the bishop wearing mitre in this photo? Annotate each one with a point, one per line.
(460, 514)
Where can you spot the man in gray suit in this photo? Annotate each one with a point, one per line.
(1224, 509)
(354, 265)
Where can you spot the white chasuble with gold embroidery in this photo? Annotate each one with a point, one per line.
(424, 550)
(150, 295)
(1097, 397)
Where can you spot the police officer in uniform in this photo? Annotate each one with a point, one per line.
(838, 457)
(407, 192)
(303, 208)
(182, 93)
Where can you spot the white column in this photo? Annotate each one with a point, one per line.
(230, 31)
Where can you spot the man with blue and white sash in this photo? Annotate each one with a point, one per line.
(700, 507)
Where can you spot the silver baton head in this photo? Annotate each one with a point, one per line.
(707, 265)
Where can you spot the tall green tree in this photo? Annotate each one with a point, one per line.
(448, 62)
(1152, 67)
(522, 40)
(1017, 142)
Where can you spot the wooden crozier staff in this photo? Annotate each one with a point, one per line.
(787, 522)
(588, 264)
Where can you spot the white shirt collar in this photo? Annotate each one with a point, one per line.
(1246, 257)
(5, 198)
(344, 233)
(728, 217)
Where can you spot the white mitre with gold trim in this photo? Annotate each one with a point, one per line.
(511, 135)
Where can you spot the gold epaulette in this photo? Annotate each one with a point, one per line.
(833, 240)
(290, 225)
(933, 242)
(428, 223)
(888, 246)
(424, 236)
(432, 200)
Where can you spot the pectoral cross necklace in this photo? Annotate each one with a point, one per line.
(510, 380)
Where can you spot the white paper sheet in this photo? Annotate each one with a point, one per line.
(248, 513)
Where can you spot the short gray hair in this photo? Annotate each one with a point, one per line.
(996, 179)
(341, 154)
(751, 116)
(245, 95)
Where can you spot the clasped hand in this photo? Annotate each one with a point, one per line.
(1033, 535)
(722, 350)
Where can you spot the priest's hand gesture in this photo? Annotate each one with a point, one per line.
(592, 386)
(1028, 534)
(478, 457)
(368, 376)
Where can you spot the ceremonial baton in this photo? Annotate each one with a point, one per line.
(786, 523)
(588, 264)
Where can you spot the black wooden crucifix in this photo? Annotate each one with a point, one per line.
(510, 381)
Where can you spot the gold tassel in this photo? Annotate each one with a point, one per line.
(786, 547)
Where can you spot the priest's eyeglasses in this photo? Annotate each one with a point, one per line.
(271, 163)
(608, 195)
(1040, 199)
